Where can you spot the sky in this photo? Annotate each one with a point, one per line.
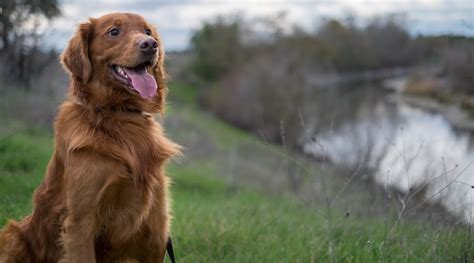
(177, 20)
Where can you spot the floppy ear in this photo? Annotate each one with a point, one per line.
(161, 76)
(75, 58)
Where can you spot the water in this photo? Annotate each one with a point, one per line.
(404, 147)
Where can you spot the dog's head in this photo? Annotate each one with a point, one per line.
(117, 60)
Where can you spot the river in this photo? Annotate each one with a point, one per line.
(406, 148)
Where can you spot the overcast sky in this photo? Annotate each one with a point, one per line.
(176, 20)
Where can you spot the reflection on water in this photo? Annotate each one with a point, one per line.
(401, 146)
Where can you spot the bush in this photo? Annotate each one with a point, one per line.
(458, 64)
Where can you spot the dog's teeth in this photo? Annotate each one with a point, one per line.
(120, 71)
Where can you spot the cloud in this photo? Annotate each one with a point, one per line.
(178, 19)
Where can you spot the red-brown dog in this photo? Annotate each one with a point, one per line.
(104, 195)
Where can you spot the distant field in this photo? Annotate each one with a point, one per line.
(217, 220)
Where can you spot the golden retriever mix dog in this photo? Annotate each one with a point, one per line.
(104, 195)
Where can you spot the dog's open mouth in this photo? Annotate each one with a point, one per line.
(137, 78)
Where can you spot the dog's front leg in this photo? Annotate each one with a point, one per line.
(159, 224)
(78, 240)
(80, 226)
(86, 178)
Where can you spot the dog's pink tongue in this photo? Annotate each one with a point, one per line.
(143, 82)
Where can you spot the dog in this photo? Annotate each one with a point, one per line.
(104, 197)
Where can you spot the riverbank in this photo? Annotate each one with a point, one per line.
(453, 112)
(428, 92)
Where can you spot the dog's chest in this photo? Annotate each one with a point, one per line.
(127, 206)
(132, 193)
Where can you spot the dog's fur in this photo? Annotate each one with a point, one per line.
(104, 195)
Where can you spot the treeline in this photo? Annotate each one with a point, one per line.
(263, 77)
(223, 44)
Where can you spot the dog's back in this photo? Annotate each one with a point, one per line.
(13, 248)
(35, 239)
(19, 245)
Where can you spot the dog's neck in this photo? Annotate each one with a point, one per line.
(112, 109)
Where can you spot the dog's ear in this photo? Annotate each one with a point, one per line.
(160, 75)
(75, 58)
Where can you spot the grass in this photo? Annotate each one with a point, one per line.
(218, 222)
(214, 223)
(23, 160)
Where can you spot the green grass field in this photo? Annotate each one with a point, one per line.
(217, 221)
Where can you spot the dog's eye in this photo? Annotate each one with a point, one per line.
(148, 32)
(114, 32)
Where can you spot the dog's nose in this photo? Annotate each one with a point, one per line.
(148, 46)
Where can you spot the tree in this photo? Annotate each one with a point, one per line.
(19, 21)
(14, 14)
(217, 48)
